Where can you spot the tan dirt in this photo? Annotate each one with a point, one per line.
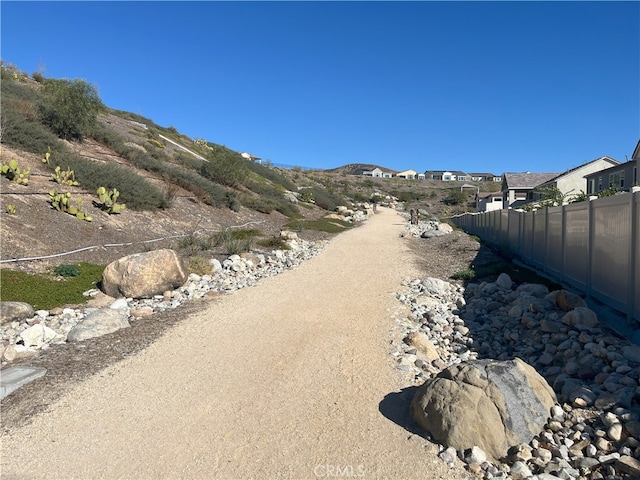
(288, 379)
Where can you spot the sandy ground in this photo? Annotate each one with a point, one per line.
(289, 379)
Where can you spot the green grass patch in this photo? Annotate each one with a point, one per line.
(466, 275)
(244, 233)
(274, 243)
(490, 271)
(45, 293)
(321, 225)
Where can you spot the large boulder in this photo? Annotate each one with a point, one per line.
(486, 403)
(15, 311)
(98, 323)
(143, 275)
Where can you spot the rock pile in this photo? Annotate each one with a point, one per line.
(593, 432)
(23, 331)
(427, 229)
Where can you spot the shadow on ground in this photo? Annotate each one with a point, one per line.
(395, 407)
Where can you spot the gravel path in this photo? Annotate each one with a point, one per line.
(289, 379)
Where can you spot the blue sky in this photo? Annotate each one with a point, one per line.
(472, 86)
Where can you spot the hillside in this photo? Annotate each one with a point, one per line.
(179, 192)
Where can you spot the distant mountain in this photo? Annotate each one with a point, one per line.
(353, 168)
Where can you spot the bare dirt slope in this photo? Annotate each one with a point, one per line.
(289, 379)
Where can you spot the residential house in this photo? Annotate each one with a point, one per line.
(459, 176)
(446, 176)
(253, 158)
(517, 188)
(408, 174)
(437, 175)
(488, 201)
(484, 177)
(572, 182)
(375, 173)
(623, 175)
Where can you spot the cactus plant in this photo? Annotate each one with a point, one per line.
(47, 155)
(109, 200)
(155, 143)
(62, 203)
(64, 177)
(14, 173)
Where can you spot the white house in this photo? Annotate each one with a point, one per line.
(408, 174)
(253, 158)
(486, 202)
(573, 181)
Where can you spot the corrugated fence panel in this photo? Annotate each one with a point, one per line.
(504, 227)
(527, 236)
(636, 242)
(553, 263)
(576, 244)
(513, 230)
(494, 226)
(610, 251)
(539, 233)
(594, 246)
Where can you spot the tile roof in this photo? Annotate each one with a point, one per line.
(527, 179)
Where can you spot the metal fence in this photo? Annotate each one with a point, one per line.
(593, 246)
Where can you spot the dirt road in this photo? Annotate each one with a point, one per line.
(289, 379)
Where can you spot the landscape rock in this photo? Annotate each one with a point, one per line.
(422, 343)
(504, 281)
(100, 300)
(12, 311)
(566, 300)
(581, 316)
(143, 275)
(37, 335)
(98, 323)
(486, 403)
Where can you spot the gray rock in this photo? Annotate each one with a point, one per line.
(37, 335)
(448, 455)
(520, 471)
(98, 323)
(582, 316)
(474, 455)
(504, 281)
(15, 311)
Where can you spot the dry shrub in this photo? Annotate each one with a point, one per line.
(199, 266)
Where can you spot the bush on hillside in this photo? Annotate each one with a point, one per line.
(225, 167)
(456, 197)
(70, 107)
(323, 198)
(272, 175)
(21, 126)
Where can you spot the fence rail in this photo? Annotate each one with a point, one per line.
(593, 246)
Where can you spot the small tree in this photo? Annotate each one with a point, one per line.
(228, 169)
(550, 196)
(456, 197)
(70, 108)
(608, 192)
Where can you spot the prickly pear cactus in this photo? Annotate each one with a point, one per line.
(109, 200)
